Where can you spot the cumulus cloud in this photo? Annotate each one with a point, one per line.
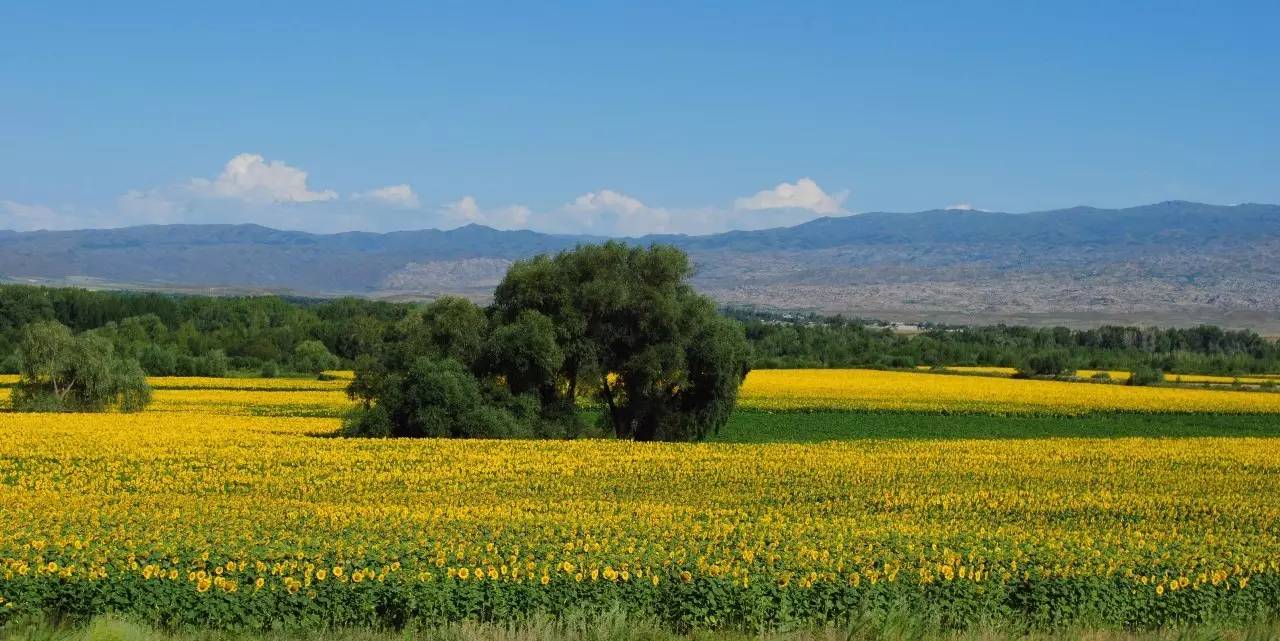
(252, 189)
(802, 194)
(250, 177)
(613, 213)
(394, 195)
(467, 211)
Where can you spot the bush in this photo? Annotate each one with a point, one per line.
(11, 364)
(441, 398)
(269, 370)
(313, 357)
(1144, 375)
(158, 361)
(214, 363)
(1053, 364)
(1101, 376)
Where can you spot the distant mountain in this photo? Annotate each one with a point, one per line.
(1171, 263)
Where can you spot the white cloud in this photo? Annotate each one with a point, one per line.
(252, 189)
(401, 196)
(613, 213)
(467, 211)
(251, 178)
(606, 200)
(965, 207)
(802, 194)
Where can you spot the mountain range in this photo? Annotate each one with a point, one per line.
(1171, 263)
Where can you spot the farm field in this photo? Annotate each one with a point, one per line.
(832, 494)
(775, 390)
(1121, 375)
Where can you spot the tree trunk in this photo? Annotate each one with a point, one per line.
(614, 416)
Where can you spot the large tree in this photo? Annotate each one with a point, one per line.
(615, 321)
(666, 365)
(65, 372)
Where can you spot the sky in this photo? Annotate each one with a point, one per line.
(625, 118)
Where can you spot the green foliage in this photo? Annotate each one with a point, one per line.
(525, 354)
(11, 363)
(756, 426)
(441, 398)
(269, 370)
(1053, 364)
(620, 321)
(1146, 376)
(906, 609)
(789, 340)
(213, 363)
(450, 327)
(174, 334)
(313, 357)
(64, 372)
(664, 363)
(870, 621)
(114, 628)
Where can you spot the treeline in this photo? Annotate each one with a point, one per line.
(181, 335)
(813, 341)
(171, 334)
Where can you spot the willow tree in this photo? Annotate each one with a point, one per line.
(65, 372)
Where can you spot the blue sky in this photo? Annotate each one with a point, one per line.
(625, 118)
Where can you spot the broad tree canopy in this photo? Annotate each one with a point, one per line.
(614, 321)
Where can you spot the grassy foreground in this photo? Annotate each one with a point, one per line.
(617, 628)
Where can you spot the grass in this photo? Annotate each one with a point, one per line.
(755, 426)
(617, 628)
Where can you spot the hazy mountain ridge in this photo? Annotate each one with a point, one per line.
(1168, 260)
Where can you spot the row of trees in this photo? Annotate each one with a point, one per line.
(812, 341)
(202, 336)
(197, 335)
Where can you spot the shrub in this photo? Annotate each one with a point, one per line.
(1145, 375)
(441, 398)
(11, 364)
(158, 361)
(313, 357)
(1053, 364)
(269, 370)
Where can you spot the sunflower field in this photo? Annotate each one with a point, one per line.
(232, 505)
